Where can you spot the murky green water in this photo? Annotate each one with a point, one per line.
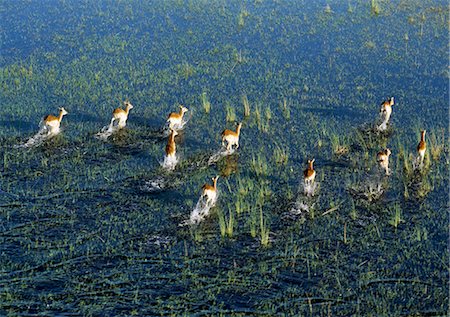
(82, 230)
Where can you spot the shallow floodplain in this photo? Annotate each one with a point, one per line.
(95, 227)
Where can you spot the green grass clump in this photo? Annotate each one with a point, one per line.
(264, 229)
(246, 105)
(231, 114)
(396, 216)
(280, 155)
(285, 109)
(205, 102)
(259, 165)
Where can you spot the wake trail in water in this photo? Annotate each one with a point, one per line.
(303, 203)
(107, 131)
(220, 154)
(39, 138)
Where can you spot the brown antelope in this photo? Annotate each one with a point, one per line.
(386, 109)
(383, 160)
(176, 118)
(422, 147)
(121, 115)
(309, 173)
(53, 123)
(210, 191)
(171, 148)
(231, 137)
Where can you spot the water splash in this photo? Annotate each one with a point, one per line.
(155, 185)
(177, 127)
(40, 137)
(170, 162)
(383, 126)
(107, 131)
(201, 211)
(370, 190)
(221, 153)
(309, 188)
(417, 163)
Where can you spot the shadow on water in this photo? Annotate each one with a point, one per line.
(23, 126)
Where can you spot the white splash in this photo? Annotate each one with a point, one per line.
(177, 127)
(201, 211)
(383, 126)
(170, 162)
(309, 188)
(417, 163)
(40, 137)
(154, 185)
(107, 131)
(221, 153)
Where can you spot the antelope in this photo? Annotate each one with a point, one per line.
(176, 118)
(53, 123)
(210, 192)
(421, 147)
(386, 109)
(121, 115)
(309, 173)
(231, 137)
(383, 160)
(171, 146)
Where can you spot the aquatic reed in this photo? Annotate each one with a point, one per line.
(205, 102)
(246, 105)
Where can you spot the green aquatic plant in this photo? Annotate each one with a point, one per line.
(375, 7)
(246, 105)
(280, 155)
(205, 102)
(340, 144)
(396, 216)
(243, 14)
(231, 114)
(437, 143)
(259, 165)
(264, 229)
(226, 225)
(285, 109)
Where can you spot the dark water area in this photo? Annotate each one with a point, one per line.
(93, 223)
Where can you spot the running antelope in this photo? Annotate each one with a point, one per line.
(176, 118)
(383, 160)
(386, 109)
(231, 137)
(53, 123)
(121, 115)
(171, 148)
(421, 147)
(309, 173)
(210, 191)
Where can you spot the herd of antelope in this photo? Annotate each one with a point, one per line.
(230, 140)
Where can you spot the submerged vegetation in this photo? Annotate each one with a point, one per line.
(91, 225)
